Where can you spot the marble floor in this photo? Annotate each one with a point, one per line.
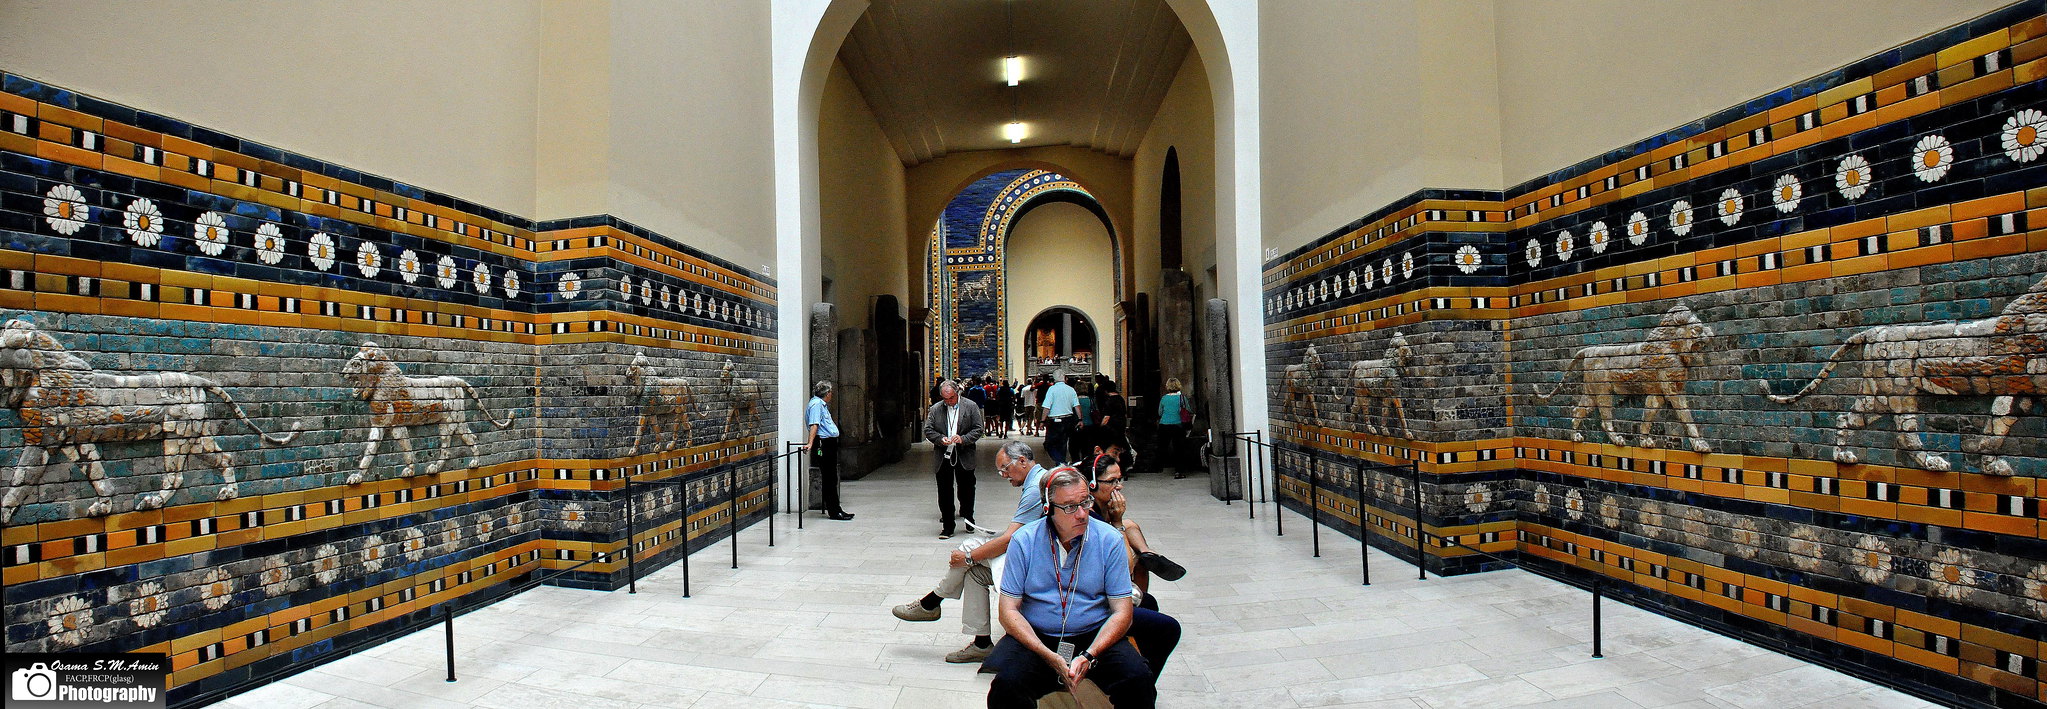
(805, 623)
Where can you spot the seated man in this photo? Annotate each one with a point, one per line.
(1156, 633)
(1066, 606)
(970, 563)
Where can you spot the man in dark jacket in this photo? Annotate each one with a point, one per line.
(952, 426)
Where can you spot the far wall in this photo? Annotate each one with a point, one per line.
(1059, 255)
(860, 204)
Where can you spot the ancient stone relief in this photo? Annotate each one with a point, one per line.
(1375, 388)
(69, 408)
(1656, 368)
(745, 394)
(977, 289)
(399, 402)
(664, 404)
(1297, 391)
(2004, 357)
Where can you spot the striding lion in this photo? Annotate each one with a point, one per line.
(664, 404)
(67, 407)
(1375, 388)
(1655, 368)
(1297, 385)
(399, 402)
(2004, 357)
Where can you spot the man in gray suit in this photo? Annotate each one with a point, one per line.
(952, 426)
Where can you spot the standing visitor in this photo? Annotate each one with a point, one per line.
(1173, 419)
(823, 445)
(952, 426)
(1060, 415)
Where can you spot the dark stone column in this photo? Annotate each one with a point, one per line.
(1223, 459)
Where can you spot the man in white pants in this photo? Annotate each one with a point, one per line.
(971, 562)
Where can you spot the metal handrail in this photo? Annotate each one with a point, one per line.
(731, 500)
(1314, 514)
(448, 615)
(1597, 586)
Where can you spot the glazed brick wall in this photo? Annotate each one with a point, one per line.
(1895, 192)
(541, 319)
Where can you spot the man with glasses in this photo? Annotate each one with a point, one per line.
(972, 561)
(952, 426)
(1066, 606)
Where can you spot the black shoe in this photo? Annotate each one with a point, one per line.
(947, 534)
(1158, 564)
(840, 515)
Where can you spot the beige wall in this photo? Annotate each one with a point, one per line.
(692, 151)
(1365, 103)
(930, 185)
(860, 203)
(437, 95)
(1185, 123)
(1582, 77)
(572, 128)
(1055, 258)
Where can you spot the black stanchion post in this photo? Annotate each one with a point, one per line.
(1421, 555)
(1278, 508)
(773, 501)
(682, 489)
(732, 508)
(632, 567)
(1364, 530)
(1314, 505)
(449, 621)
(1598, 586)
(1252, 453)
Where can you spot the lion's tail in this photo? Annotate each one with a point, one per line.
(473, 396)
(243, 416)
(1577, 363)
(1833, 360)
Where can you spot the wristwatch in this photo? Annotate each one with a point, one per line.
(1089, 654)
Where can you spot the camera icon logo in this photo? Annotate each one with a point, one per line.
(36, 682)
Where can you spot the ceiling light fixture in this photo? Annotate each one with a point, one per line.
(1012, 70)
(1013, 132)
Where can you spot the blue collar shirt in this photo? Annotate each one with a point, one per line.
(821, 417)
(1030, 506)
(1097, 574)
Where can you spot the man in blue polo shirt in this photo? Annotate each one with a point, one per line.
(1066, 606)
(1061, 413)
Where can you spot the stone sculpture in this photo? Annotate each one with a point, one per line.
(1656, 368)
(977, 338)
(2003, 357)
(745, 394)
(1297, 386)
(1376, 384)
(66, 407)
(664, 404)
(399, 402)
(1221, 398)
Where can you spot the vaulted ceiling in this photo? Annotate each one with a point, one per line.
(1094, 71)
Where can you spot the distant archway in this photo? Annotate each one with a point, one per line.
(1060, 336)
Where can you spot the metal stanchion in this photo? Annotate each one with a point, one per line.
(1278, 506)
(682, 490)
(632, 568)
(1421, 555)
(732, 510)
(1598, 586)
(1364, 530)
(773, 501)
(794, 467)
(1314, 506)
(449, 621)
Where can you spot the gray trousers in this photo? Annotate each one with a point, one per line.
(974, 617)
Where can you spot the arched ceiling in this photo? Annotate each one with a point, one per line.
(1095, 71)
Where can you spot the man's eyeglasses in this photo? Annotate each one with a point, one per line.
(1086, 504)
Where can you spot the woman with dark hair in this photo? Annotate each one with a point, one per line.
(1156, 633)
(1110, 415)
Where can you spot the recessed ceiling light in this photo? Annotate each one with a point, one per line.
(1012, 70)
(1013, 132)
